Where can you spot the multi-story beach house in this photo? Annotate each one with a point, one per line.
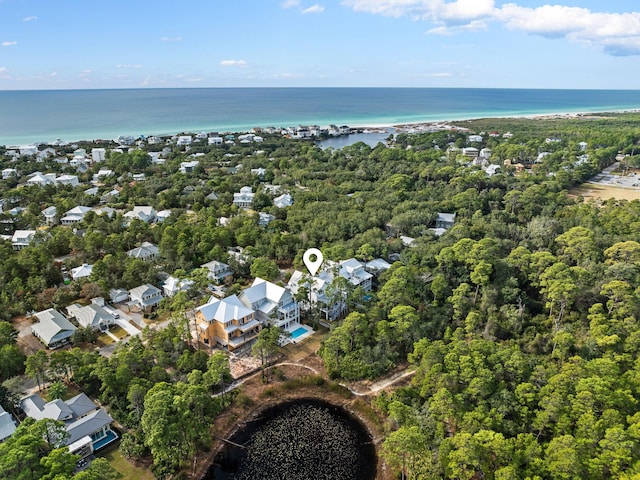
(273, 304)
(146, 297)
(227, 322)
(218, 271)
(244, 199)
(88, 426)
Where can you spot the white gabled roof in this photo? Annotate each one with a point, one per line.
(82, 271)
(143, 251)
(90, 315)
(51, 324)
(142, 290)
(21, 236)
(7, 425)
(262, 289)
(283, 200)
(225, 310)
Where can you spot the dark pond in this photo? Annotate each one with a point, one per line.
(299, 440)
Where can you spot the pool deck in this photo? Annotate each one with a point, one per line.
(106, 440)
(309, 331)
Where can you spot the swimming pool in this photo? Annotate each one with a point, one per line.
(298, 332)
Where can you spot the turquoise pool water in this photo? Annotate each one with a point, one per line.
(104, 441)
(298, 332)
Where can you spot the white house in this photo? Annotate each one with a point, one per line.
(92, 315)
(45, 153)
(88, 427)
(218, 271)
(75, 215)
(7, 425)
(475, 138)
(145, 213)
(146, 251)
(108, 211)
(8, 173)
(50, 215)
(283, 201)
(40, 179)
(272, 303)
(162, 215)
(244, 199)
(377, 265)
(486, 153)
(173, 285)
(98, 155)
(265, 219)
(28, 150)
(470, 151)
(22, 238)
(53, 329)
(145, 296)
(331, 304)
(118, 295)
(102, 174)
(83, 271)
(354, 271)
(68, 180)
(184, 140)
(188, 167)
(80, 163)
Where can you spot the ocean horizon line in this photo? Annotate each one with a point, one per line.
(378, 126)
(42, 116)
(274, 87)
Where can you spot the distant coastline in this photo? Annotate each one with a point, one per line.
(77, 115)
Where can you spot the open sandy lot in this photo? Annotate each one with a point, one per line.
(605, 192)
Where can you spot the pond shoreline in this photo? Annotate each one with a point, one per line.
(297, 384)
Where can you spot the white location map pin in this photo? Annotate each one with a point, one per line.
(313, 265)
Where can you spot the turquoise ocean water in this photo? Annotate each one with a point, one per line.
(43, 116)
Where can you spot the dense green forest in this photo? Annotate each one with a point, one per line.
(521, 320)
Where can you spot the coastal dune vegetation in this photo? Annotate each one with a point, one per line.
(521, 320)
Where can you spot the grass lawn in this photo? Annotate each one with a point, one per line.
(104, 339)
(118, 331)
(121, 464)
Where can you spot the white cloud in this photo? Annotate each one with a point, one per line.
(127, 65)
(234, 63)
(473, 26)
(171, 39)
(290, 3)
(548, 20)
(614, 33)
(4, 73)
(30, 18)
(313, 9)
(9, 44)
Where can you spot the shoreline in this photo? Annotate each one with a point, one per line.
(418, 126)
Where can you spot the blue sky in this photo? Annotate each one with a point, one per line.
(49, 44)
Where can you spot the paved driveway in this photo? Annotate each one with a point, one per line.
(124, 323)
